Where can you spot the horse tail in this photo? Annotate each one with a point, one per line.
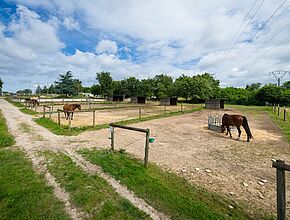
(246, 127)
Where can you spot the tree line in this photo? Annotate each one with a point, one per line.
(190, 88)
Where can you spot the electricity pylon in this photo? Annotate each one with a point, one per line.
(279, 74)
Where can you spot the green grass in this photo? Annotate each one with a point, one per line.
(90, 192)
(28, 111)
(284, 126)
(17, 104)
(23, 193)
(165, 191)
(6, 139)
(64, 130)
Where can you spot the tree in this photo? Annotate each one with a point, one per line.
(51, 89)
(38, 90)
(286, 85)
(66, 84)
(253, 87)
(96, 90)
(106, 83)
(270, 93)
(161, 85)
(131, 86)
(183, 86)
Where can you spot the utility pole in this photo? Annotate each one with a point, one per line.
(279, 74)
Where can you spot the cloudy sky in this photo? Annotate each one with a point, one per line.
(239, 41)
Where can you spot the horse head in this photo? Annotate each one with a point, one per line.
(223, 128)
(78, 106)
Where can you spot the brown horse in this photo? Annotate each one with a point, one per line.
(238, 121)
(31, 102)
(69, 109)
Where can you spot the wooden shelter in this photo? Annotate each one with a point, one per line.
(214, 103)
(138, 99)
(168, 101)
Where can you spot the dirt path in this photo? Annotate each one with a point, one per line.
(239, 170)
(34, 138)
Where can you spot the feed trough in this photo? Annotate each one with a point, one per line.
(214, 123)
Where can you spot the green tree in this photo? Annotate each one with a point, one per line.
(106, 83)
(183, 86)
(132, 86)
(51, 89)
(253, 87)
(96, 90)
(161, 86)
(286, 85)
(66, 84)
(270, 93)
(38, 90)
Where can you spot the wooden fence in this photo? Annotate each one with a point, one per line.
(146, 131)
(281, 167)
(276, 109)
(70, 119)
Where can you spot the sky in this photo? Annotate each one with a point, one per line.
(239, 42)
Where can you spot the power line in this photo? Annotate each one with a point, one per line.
(246, 44)
(252, 17)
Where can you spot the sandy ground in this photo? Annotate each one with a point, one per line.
(241, 171)
(114, 115)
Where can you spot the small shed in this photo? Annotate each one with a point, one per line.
(168, 101)
(214, 103)
(116, 98)
(138, 99)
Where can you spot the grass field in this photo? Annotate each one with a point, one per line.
(23, 193)
(90, 192)
(165, 191)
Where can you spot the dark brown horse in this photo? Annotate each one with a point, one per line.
(69, 109)
(238, 121)
(31, 102)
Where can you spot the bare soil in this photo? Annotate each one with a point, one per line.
(239, 170)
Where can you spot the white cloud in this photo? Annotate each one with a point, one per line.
(107, 46)
(163, 36)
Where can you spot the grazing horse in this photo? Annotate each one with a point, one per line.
(31, 102)
(70, 108)
(238, 121)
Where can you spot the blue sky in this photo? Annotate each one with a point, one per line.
(39, 39)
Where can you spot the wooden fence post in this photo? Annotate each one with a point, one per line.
(146, 148)
(58, 117)
(278, 110)
(140, 113)
(50, 112)
(69, 121)
(281, 195)
(112, 130)
(94, 119)
(181, 105)
(43, 112)
(284, 117)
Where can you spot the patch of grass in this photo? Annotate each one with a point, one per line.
(64, 130)
(23, 193)
(6, 139)
(25, 127)
(28, 111)
(165, 191)
(279, 120)
(90, 192)
(17, 104)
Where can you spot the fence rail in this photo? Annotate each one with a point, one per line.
(146, 131)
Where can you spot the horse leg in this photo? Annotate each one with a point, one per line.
(229, 130)
(239, 130)
(72, 116)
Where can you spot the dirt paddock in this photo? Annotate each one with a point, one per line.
(116, 114)
(241, 171)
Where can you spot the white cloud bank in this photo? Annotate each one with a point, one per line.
(170, 37)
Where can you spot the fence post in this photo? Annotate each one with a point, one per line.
(284, 117)
(182, 105)
(43, 112)
(278, 110)
(146, 148)
(281, 195)
(58, 117)
(140, 113)
(50, 112)
(94, 119)
(69, 121)
(112, 137)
